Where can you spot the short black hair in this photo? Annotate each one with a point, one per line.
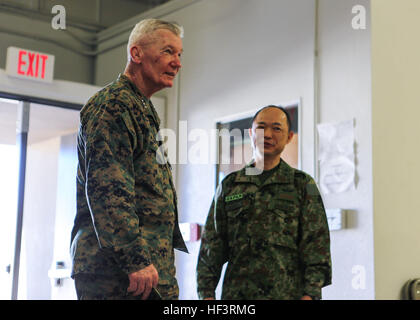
(289, 122)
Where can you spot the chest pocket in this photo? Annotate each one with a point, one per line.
(233, 206)
(237, 205)
(152, 172)
(238, 212)
(283, 222)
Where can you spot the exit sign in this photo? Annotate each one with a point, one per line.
(27, 64)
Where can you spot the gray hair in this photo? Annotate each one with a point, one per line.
(148, 26)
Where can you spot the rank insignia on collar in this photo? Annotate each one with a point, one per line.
(234, 197)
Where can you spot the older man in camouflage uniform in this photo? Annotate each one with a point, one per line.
(270, 227)
(126, 226)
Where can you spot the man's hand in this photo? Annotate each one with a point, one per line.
(143, 281)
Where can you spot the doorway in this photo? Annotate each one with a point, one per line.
(38, 147)
(35, 262)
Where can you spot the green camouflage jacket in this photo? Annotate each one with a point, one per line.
(126, 203)
(274, 236)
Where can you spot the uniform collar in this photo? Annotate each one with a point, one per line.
(282, 174)
(126, 81)
(147, 103)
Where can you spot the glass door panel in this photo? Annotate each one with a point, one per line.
(49, 204)
(8, 192)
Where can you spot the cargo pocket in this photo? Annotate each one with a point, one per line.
(237, 212)
(153, 171)
(283, 222)
(130, 127)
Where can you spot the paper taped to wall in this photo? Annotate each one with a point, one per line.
(336, 156)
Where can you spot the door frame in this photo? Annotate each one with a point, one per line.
(60, 93)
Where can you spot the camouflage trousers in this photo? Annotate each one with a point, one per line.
(107, 287)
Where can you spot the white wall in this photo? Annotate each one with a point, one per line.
(396, 133)
(345, 94)
(240, 55)
(243, 54)
(65, 212)
(59, 90)
(39, 219)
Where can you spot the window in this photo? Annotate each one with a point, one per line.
(234, 147)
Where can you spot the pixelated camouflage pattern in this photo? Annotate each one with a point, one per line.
(126, 203)
(274, 236)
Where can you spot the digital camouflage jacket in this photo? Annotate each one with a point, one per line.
(126, 202)
(273, 235)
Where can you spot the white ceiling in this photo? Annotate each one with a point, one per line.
(95, 15)
(47, 122)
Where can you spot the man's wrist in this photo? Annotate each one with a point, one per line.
(313, 291)
(206, 295)
(312, 296)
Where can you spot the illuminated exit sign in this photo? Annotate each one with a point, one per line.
(27, 64)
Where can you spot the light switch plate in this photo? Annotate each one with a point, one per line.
(336, 219)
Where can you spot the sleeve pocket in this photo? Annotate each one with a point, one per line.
(130, 127)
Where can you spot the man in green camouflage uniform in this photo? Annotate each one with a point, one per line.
(268, 222)
(126, 226)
